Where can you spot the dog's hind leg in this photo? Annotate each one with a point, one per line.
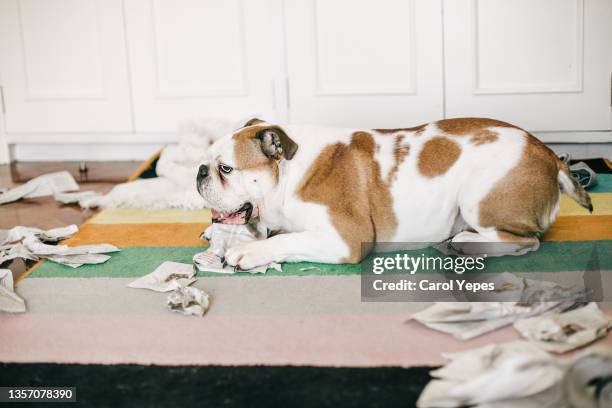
(519, 207)
(493, 243)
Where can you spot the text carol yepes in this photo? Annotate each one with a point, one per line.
(426, 285)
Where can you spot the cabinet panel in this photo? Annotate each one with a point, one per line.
(63, 66)
(196, 58)
(348, 50)
(199, 48)
(542, 64)
(517, 51)
(364, 63)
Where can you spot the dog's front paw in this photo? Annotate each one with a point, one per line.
(248, 256)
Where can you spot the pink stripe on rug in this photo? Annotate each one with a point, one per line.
(348, 341)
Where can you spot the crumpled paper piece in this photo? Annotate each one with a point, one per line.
(521, 375)
(188, 300)
(176, 277)
(466, 320)
(9, 300)
(40, 186)
(166, 277)
(220, 238)
(491, 374)
(563, 332)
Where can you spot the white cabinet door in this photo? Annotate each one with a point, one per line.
(195, 58)
(63, 66)
(542, 64)
(364, 63)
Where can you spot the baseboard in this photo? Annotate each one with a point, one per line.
(86, 152)
(575, 137)
(583, 150)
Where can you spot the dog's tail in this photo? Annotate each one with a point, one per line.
(572, 188)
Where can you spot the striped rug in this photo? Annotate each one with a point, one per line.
(310, 314)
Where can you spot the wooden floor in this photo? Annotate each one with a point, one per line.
(45, 212)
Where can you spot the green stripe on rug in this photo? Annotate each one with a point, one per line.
(604, 184)
(138, 261)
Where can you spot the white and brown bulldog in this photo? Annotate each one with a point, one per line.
(330, 190)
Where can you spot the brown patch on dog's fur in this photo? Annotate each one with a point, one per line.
(522, 201)
(347, 180)
(511, 237)
(467, 126)
(417, 130)
(248, 153)
(254, 121)
(437, 156)
(483, 136)
(399, 154)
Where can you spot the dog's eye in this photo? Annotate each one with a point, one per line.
(225, 169)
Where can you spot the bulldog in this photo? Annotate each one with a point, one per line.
(325, 191)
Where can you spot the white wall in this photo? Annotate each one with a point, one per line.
(111, 79)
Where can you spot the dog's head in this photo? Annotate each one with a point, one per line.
(241, 169)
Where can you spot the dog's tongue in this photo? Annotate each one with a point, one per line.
(233, 218)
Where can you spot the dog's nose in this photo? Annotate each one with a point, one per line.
(202, 172)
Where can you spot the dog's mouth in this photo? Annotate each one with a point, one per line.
(241, 216)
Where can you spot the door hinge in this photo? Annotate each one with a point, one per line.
(2, 99)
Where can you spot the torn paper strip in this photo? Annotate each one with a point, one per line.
(74, 261)
(9, 300)
(188, 300)
(563, 332)
(166, 277)
(44, 185)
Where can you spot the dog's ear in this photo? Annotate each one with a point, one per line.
(253, 121)
(276, 144)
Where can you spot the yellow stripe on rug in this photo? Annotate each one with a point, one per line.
(580, 228)
(137, 216)
(602, 205)
(565, 228)
(150, 235)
